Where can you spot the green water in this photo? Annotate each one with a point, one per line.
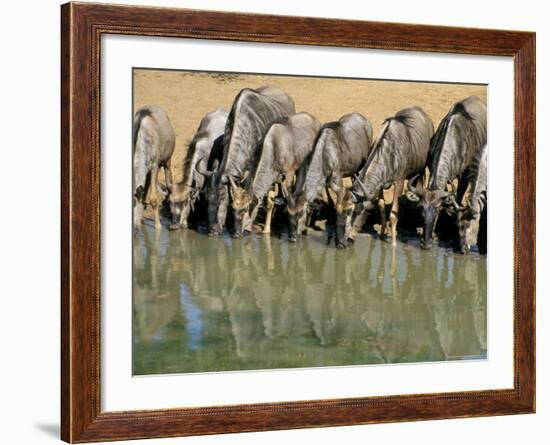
(204, 304)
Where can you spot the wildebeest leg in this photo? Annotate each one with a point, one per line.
(184, 214)
(270, 205)
(397, 191)
(168, 172)
(342, 219)
(248, 222)
(221, 214)
(153, 195)
(330, 220)
(382, 211)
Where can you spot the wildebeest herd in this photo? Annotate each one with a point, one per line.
(262, 155)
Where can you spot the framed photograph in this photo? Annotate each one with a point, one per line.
(275, 222)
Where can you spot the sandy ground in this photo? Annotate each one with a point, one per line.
(188, 96)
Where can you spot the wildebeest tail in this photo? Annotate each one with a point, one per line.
(138, 117)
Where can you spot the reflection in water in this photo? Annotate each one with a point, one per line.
(204, 304)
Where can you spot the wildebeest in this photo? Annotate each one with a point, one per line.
(184, 194)
(153, 144)
(251, 114)
(341, 148)
(460, 135)
(399, 152)
(285, 146)
(473, 201)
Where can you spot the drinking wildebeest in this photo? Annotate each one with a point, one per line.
(341, 148)
(184, 194)
(473, 201)
(251, 114)
(285, 146)
(460, 135)
(153, 144)
(400, 152)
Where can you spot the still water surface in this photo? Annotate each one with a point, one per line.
(204, 304)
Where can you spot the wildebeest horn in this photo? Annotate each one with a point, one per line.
(205, 173)
(361, 184)
(411, 186)
(232, 181)
(455, 204)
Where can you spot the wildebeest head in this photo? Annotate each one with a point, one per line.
(344, 211)
(216, 193)
(296, 207)
(181, 197)
(241, 200)
(430, 203)
(467, 218)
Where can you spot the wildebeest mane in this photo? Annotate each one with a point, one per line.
(188, 161)
(476, 179)
(439, 136)
(336, 128)
(438, 139)
(375, 150)
(315, 177)
(256, 161)
(399, 150)
(402, 117)
(252, 112)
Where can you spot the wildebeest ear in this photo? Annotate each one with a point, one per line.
(411, 196)
(469, 214)
(449, 200)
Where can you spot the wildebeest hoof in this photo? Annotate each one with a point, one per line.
(292, 239)
(175, 226)
(213, 234)
(236, 235)
(351, 241)
(340, 245)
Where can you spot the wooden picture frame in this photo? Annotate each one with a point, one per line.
(82, 26)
